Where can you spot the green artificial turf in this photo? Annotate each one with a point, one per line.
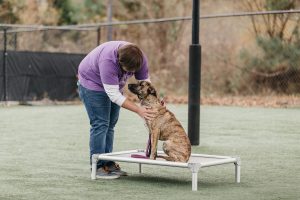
(44, 155)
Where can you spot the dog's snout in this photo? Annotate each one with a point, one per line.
(131, 86)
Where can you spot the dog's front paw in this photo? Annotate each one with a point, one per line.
(153, 157)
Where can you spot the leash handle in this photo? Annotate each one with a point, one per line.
(138, 156)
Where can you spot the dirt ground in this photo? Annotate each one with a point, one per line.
(249, 101)
(240, 101)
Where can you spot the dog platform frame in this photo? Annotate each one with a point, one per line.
(195, 163)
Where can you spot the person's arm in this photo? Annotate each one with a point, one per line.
(115, 96)
(144, 112)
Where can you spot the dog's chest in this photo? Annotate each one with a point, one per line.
(157, 126)
(155, 123)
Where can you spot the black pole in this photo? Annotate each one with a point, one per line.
(194, 78)
(4, 65)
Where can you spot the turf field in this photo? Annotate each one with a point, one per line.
(44, 155)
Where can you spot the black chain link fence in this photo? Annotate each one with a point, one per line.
(236, 59)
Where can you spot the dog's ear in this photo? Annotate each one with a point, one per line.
(152, 91)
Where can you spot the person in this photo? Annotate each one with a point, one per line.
(102, 75)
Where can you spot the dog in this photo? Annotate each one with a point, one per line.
(164, 126)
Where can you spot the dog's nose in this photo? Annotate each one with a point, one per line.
(131, 86)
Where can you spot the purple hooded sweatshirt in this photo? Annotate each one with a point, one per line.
(101, 66)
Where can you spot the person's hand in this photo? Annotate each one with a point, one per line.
(146, 113)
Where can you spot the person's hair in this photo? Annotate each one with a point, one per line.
(130, 57)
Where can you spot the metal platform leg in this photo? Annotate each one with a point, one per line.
(194, 181)
(194, 167)
(94, 166)
(238, 170)
(140, 168)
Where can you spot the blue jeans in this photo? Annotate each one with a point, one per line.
(103, 115)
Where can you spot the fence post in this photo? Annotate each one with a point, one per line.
(4, 64)
(15, 41)
(194, 78)
(98, 35)
(109, 17)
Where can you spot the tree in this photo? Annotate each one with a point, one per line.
(8, 12)
(276, 64)
(67, 12)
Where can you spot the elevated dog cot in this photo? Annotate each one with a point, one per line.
(195, 163)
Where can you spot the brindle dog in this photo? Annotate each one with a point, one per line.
(164, 126)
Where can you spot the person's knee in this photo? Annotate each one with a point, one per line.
(100, 127)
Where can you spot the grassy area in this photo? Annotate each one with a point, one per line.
(44, 155)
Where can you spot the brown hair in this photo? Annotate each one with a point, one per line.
(130, 57)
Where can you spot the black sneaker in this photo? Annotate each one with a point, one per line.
(114, 168)
(104, 173)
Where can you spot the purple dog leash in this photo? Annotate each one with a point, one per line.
(148, 151)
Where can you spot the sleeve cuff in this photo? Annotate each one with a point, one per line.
(114, 94)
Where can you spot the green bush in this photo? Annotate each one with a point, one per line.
(275, 66)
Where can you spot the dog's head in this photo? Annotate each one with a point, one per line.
(142, 89)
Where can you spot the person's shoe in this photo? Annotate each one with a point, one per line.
(114, 168)
(104, 173)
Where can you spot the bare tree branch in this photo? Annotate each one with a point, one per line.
(249, 5)
(283, 26)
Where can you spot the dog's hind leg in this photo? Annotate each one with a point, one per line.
(173, 153)
(167, 158)
(166, 148)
